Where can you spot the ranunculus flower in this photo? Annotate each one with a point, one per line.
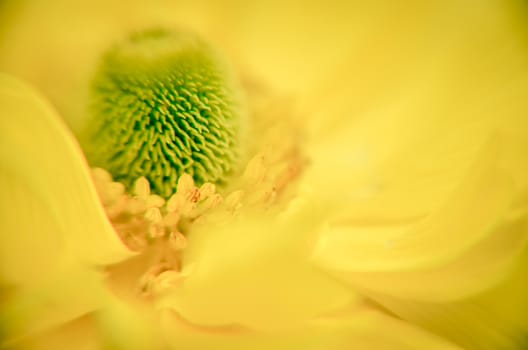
(380, 204)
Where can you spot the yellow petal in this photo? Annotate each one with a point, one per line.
(372, 329)
(254, 272)
(451, 58)
(69, 294)
(474, 210)
(121, 326)
(128, 325)
(30, 246)
(393, 167)
(43, 163)
(80, 334)
(360, 328)
(481, 267)
(494, 319)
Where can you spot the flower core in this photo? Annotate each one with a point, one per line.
(158, 228)
(163, 104)
(164, 132)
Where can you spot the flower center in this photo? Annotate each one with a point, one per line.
(158, 228)
(163, 104)
(164, 133)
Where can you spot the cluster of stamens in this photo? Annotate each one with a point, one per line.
(144, 220)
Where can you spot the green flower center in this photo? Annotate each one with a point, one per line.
(163, 104)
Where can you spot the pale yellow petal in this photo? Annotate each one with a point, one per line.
(495, 319)
(373, 329)
(254, 272)
(125, 324)
(30, 243)
(69, 294)
(474, 210)
(394, 166)
(401, 159)
(360, 328)
(44, 233)
(80, 334)
(451, 57)
(469, 245)
(432, 181)
(481, 267)
(42, 161)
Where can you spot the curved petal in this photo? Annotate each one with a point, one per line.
(50, 195)
(400, 156)
(483, 266)
(494, 319)
(474, 210)
(63, 297)
(393, 167)
(79, 334)
(254, 272)
(362, 328)
(30, 246)
(128, 326)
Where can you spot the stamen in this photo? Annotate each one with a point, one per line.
(148, 223)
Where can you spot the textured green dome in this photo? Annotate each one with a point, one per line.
(162, 104)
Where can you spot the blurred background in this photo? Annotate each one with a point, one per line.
(335, 57)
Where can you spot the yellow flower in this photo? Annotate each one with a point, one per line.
(405, 228)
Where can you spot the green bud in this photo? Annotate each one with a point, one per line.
(163, 104)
